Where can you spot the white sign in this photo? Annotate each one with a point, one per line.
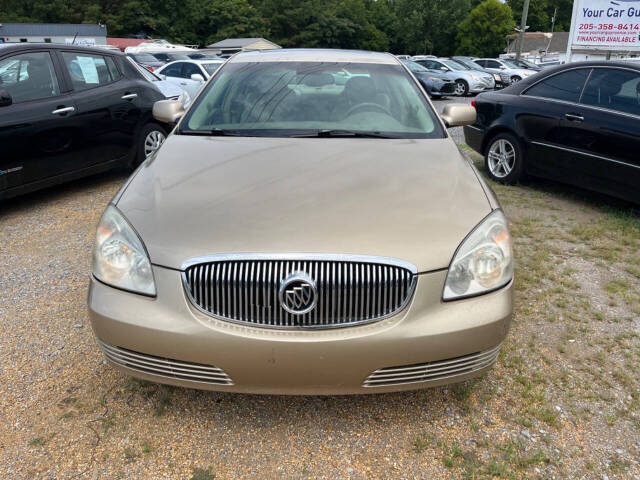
(606, 24)
(83, 42)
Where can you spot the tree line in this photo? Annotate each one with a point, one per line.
(442, 27)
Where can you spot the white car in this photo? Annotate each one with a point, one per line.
(497, 65)
(170, 90)
(191, 75)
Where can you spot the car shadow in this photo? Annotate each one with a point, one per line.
(58, 193)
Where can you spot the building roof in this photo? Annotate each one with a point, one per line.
(238, 42)
(314, 55)
(52, 30)
(539, 41)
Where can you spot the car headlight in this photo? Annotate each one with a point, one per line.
(119, 256)
(483, 262)
(434, 79)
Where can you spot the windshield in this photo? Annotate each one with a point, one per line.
(414, 66)
(453, 65)
(282, 99)
(469, 64)
(519, 63)
(144, 57)
(211, 68)
(152, 77)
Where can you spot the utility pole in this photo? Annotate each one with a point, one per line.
(523, 27)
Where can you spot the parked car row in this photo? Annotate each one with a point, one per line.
(472, 75)
(68, 111)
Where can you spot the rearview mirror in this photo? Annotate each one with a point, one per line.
(197, 77)
(5, 98)
(458, 115)
(168, 111)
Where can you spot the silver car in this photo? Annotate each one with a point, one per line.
(467, 80)
(502, 66)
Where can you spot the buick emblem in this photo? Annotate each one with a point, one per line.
(298, 293)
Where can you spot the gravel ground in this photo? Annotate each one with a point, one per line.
(562, 402)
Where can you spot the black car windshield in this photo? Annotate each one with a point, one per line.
(282, 99)
(144, 57)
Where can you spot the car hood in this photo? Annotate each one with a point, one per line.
(168, 89)
(414, 200)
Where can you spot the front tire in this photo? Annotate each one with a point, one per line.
(150, 138)
(504, 159)
(462, 88)
(515, 79)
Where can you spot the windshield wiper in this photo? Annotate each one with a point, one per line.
(221, 132)
(341, 133)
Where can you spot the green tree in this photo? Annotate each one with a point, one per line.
(541, 12)
(483, 33)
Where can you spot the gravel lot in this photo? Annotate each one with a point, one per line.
(562, 402)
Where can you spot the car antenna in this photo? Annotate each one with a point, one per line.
(74, 39)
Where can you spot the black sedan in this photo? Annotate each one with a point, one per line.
(577, 123)
(67, 112)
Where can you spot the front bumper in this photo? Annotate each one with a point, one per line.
(168, 331)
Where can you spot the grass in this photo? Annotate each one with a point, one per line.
(202, 474)
(36, 442)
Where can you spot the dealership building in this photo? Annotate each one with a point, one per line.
(67, 33)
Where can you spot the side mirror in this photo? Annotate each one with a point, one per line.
(444, 69)
(197, 77)
(168, 111)
(5, 98)
(458, 115)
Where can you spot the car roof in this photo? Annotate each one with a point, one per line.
(314, 55)
(28, 46)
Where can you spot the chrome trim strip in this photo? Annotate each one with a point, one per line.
(580, 152)
(230, 257)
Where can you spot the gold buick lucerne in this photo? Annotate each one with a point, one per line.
(309, 227)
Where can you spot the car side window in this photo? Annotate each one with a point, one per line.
(113, 69)
(565, 86)
(29, 76)
(492, 64)
(87, 70)
(613, 88)
(190, 69)
(174, 70)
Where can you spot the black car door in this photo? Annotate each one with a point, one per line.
(39, 128)
(601, 135)
(107, 104)
(540, 116)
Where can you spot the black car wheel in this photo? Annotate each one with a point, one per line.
(515, 79)
(504, 159)
(462, 88)
(151, 137)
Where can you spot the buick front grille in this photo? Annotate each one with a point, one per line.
(424, 372)
(299, 292)
(165, 367)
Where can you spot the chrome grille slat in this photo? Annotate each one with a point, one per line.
(350, 290)
(165, 367)
(406, 374)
